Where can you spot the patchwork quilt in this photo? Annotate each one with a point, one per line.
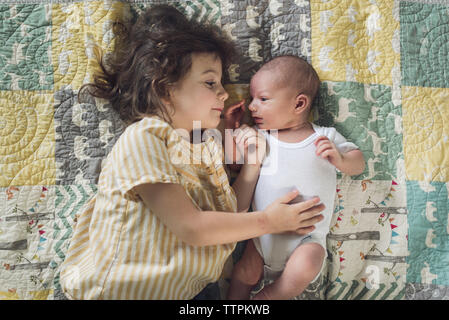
(384, 66)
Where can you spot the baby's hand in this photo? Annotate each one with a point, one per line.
(326, 149)
(251, 144)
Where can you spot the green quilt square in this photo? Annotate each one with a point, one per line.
(424, 44)
(69, 202)
(205, 11)
(427, 206)
(369, 116)
(25, 47)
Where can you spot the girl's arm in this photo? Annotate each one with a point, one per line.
(202, 228)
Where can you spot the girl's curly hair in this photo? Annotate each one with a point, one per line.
(150, 56)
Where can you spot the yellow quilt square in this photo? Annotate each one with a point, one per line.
(27, 138)
(356, 40)
(426, 133)
(76, 29)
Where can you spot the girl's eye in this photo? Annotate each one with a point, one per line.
(210, 84)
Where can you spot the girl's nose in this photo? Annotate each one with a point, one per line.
(223, 95)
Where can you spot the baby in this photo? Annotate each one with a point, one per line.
(303, 156)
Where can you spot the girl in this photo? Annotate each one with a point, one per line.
(158, 228)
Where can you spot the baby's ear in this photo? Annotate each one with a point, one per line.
(302, 101)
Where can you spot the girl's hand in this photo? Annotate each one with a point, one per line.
(233, 115)
(299, 217)
(327, 150)
(251, 144)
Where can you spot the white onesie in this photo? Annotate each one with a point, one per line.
(295, 165)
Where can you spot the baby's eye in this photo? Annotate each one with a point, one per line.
(263, 99)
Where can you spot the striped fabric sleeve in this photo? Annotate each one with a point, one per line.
(142, 157)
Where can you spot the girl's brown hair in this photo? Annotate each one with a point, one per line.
(150, 56)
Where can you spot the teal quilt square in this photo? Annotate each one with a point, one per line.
(424, 44)
(369, 116)
(428, 229)
(25, 47)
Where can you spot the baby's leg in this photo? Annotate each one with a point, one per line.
(246, 273)
(302, 267)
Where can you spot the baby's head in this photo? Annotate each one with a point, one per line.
(283, 91)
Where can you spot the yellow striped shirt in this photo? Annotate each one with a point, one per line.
(120, 249)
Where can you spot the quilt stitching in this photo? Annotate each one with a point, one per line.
(384, 71)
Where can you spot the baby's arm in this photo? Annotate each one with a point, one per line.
(351, 162)
(252, 145)
(232, 119)
(232, 153)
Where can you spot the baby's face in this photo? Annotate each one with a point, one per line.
(273, 105)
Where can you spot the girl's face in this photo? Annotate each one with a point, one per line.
(199, 96)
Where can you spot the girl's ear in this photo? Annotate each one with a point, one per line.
(302, 101)
(166, 100)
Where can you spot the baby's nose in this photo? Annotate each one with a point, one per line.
(252, 106)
